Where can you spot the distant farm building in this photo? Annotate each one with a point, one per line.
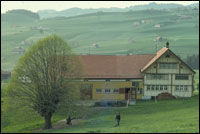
(136, 23)
(28, 41)
(42, 28)
(146, 21)
(132, 40)
(183, 17)
(157, 25)
(160, 39)
(18, 50)
(95, 45)
(5, 75)
(23, 43)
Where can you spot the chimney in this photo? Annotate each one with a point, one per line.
(167, 44)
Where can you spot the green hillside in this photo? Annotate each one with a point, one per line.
(114, 32)
(168, 116)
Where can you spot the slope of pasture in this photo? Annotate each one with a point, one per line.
(167, 116)
(112, 31)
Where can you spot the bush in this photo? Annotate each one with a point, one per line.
(165, 96)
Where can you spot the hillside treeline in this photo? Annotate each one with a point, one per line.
(193, 61)
(25, 12)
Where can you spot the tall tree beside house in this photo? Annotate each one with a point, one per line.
(42, 80)
(193, 61)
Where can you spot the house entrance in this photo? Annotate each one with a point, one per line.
(130, 93)
(127, 93)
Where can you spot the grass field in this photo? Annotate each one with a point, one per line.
(176, 111)
(179, 116)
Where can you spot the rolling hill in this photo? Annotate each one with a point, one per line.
(78, 11)
(131, 32)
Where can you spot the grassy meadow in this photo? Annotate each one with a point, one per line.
(166, 116)
(180, 115)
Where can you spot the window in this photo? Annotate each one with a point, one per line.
(152, 87)
(135, 84)
(116, 91)
(107, 90)
(173, 66)
(148, 77)
(107, 79)
(165, 87)
(139, 91)
(98, 90)
(157, 76)
(181, 87)
(185, 88)
(181, 77)
(167, 56)
(148, 87)
(161, 87)
(168, 66)
(177, 88)
(157, 87)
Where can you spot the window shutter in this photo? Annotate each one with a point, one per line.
(122, 90)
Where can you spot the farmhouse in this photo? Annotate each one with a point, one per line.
(109, 77)
(18, 50)
(95, 45)
(157, 25)
(146, 21)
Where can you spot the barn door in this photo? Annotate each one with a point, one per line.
(86, 92)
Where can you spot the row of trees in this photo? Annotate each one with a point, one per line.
(25, 12)
(193, 61)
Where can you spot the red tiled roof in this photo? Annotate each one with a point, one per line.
(104, 66)
(158, 54)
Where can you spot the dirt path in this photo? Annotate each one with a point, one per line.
(62, 123)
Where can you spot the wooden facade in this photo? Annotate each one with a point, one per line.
(178, 87)
(135, 77)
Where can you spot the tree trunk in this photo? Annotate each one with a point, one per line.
(48, 121)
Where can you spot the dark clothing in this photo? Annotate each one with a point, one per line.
(117, 122)
(69, 121)
(118, 117)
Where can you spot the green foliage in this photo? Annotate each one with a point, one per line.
(193, 61)
(24, 12)
(41, 79)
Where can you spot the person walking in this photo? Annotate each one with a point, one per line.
(118, 119)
